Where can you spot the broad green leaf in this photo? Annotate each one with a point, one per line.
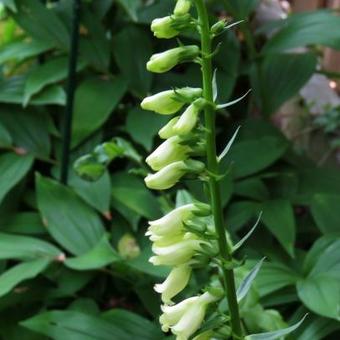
(253, 188)
(156, 9)
(95, 99)
(21, 272)
(310, 28)
(95, 45)
(326, 212)
(12, 92)
(274, 276)
(317, 328)
(50, 29)
(131, 192)
(25, 248)
(12, 169)
(246, 284)
(279, 77)
(23, 222)
(48, 73)
(251, 156)
(321, 294)
(5, 137)
(70, 221)
(130, 6)
(21, 50)
(240, 9)
(275, 334)
(126, 43)
(100, 256)
(61, 325)
(97, 194)
(28, 129)
(143, 126)
(278, 217)
(239, 213)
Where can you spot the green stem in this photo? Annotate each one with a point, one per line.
(212, 166)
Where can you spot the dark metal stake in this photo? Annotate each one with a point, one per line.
(71, 86)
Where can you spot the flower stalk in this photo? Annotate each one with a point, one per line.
(212, 166)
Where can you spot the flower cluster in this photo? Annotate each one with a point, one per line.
(175, 244)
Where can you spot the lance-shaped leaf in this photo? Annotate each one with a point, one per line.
(229, 145)
(275, 334)
(245, 285)
(233, 102)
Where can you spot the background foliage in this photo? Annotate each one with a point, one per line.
(73, 260)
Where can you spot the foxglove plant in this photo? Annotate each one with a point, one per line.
(194, 231)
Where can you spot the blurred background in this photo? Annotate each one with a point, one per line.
(73, 205)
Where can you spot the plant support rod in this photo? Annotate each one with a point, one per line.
(71, 86)
(212, 166)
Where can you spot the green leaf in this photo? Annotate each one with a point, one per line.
(48, 73)
(61, 325)
(275, 334)
(326, 213)
(21, 272)
(241, 9)
(28, 129)
(50, 29)
(253, 188)
(278, 217)
(5, 137)
(100, 256)
(25, 248)
(21, 50)
(130, 6)
(239, 213)
(274, 276)
(251, 156)
(131, 192)
(12, 169)
(245, 285)
(96, 194)
(126, 43)
(321, 294)
(299, 30)
(95, 99)
(12, 92)
(279, 77)
(143, 126)
(71, 222)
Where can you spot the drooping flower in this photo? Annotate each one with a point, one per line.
(174, 283)
(187, 120)
(168, 152)
(168, 176)
(171, 101)
(185, 318)
(165, 61)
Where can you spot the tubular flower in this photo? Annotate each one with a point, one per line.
(170, 151)
(168, 176)
(162, 28)
(167, 130)
(187, 120)
(182, 7)
(175, 283)
(185, 318)
(175, 254)
(165, 61)
(171, 101)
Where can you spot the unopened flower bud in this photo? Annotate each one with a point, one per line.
(163, 28)
(165, 61)
(182, 7)
(171, 101)
(188, 119)
(168, 152)
(174, 283)
(218, 28)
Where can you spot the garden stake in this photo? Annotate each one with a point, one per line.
(71, 86)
